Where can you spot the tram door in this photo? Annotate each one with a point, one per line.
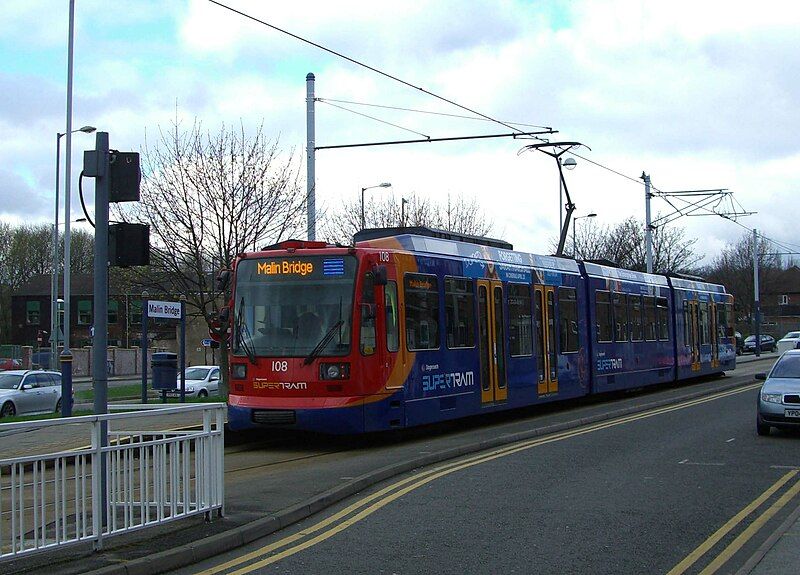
(546, 359)
(694, 334)
(492, 340)
(714, 327)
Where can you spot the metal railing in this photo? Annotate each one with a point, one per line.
(140, 479)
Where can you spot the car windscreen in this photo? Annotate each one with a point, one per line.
(196, 373)
(787, 366)
(9, 380)
(792, 335)
(750, 339)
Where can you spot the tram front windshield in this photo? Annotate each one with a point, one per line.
(294, 306)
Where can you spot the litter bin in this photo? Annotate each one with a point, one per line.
(165, 370)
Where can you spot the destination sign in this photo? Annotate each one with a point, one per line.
(295, 268)
(285, 267)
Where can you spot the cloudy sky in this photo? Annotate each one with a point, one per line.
(697, 94)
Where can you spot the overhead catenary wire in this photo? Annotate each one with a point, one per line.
(362, 64)
(486, 117)
(430, 112)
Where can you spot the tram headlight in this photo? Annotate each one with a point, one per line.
(334, 370)
(239, 371)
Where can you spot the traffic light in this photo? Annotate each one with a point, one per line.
(128, 245)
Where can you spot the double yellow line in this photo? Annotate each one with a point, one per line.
(734, 521)
(368, 505)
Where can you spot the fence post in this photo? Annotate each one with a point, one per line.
(97, 485)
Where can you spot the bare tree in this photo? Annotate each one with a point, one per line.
(208, 197)
(733, 268)
(456, 214)
(624, 243)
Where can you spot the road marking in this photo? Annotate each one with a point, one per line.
(717, 536)
(701, 463)
(731, 439)
(368, 505)
(751, 530)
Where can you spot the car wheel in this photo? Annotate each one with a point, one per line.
(8, 410)
(202, 393)
(58, 406)
(761, 427)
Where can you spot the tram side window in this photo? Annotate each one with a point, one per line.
(729, 320)
(620, 301)
(422, 311)
(568, 320)
(520, 327)
(368, 314)
(635, 314)
(605, 324)
(687, 324)
(723, 327)
(663, 318)
(392, 317)
(459, 310)
(650, 331)
(703, 309)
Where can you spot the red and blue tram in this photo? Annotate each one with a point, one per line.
(412, 326)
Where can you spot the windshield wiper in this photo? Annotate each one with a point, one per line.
(323, 342)
(240, 327)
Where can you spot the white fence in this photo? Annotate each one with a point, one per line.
(51, 500)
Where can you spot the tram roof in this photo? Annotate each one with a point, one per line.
(609, 272)
(440, 245)
(695, 285)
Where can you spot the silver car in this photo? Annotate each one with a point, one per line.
(29, 392)
(779, 398)
(201, 381)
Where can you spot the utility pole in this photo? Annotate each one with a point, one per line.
(648, 229)
(756, 302)
(310, 167)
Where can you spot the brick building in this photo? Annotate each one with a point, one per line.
(780, 307)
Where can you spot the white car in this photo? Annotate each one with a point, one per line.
(201, 381)
(789, 341)
(29, 392)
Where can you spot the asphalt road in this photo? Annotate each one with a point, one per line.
(634, 495)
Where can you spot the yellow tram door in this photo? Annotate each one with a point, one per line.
(713, 321)
(546, 360)
(695, 335)
(492, 339)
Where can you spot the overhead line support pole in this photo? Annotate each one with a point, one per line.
(310, 160)
(648, 225)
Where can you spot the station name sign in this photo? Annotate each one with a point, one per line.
(167, 309)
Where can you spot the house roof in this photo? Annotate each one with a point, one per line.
(80, 284)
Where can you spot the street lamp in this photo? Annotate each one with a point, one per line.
(54, 275)
(382, 185)
(569, 164)
(574, 224)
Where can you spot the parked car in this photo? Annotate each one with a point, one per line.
(779, 398)
(6, 363)
(789, 341)
(767, 343)
(29, 392)
(201, 381)
(739, 343)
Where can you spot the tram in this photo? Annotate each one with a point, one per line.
(411, 326)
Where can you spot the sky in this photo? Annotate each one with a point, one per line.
(699, 95)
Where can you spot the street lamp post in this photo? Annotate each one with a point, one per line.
(569, 164)
(54, 275)
(381, 185)
(574, 224)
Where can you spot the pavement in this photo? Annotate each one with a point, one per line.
(260, 503)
